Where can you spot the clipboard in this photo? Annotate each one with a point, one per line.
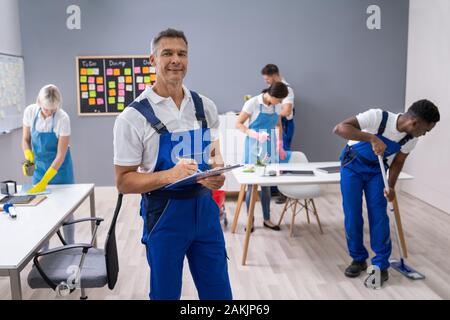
(192, 179)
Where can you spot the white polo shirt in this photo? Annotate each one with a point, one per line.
(136, 143)
(252, 107)
(61, 124)
(289, 99)
(370, 121)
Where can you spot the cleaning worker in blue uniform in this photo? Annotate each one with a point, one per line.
(264, 137)
(271, 74)
(372, 133)
(45, 142)
(167, 134)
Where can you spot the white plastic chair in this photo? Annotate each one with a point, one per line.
(300, 195)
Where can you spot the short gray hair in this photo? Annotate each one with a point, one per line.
(168, 33)
(49, 97)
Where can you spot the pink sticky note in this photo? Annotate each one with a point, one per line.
(100, 88)
(100, 101)
(109, 72)
(121, 86)
(141, 86)
(91, 80)
(121, 93)
(137, 70)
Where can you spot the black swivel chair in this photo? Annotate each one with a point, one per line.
(72, 266)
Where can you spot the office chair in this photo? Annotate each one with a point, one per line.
(72, 266)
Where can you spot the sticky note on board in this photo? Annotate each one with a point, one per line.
(92, 94)
(92, 101)
(83, 71)
(141, 86)
(121, 79)
(92, 87)
(121, 86)
(128, 79)
(112, 84)
(129, 87)
(153, 77)
(117, 72)
(90, 71)
(140, 79)
(111, 100)
(120, 106)
(145, 70)
(127, 71)
(95, 71)
(99, 80)
(147, 79)
(100, 101)
(85, 95)
(109, 72)
(112, 92)
(121, 93)
(121, 99)
(83, 79)
(100, 88)
(84, 87)
(152, 70)
(137, 70)
(91, 79)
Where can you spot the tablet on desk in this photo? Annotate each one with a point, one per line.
(296, 173)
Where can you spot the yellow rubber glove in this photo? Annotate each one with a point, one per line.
(41, 185)
(29, 155)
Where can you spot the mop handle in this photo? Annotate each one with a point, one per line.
(391, 208)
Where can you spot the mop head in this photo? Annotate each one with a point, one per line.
(407, 271)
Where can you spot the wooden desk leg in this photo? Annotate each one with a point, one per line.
(251, 214)
(16, 287)
(238, 208)
(401, 235)
(92, 207)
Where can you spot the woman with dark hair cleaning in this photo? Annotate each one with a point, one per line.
(264, 136)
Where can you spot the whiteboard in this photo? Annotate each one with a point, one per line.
(12, 92)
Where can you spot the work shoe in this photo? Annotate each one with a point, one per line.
(384, 276)
(355, 269)
(281, 199)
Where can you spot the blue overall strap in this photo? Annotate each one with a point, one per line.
(405, 140)
(199, 109)
(382, 126)
(146, 110)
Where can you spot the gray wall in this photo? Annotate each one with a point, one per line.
(336, 66)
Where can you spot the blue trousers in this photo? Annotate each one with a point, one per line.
(264, 195)
(186, 228)
(288, 127)
(353, 184)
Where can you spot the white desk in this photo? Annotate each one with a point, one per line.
(22, 238)
(245, 178)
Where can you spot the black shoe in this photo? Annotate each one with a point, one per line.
(281, 199)
(384, 276)
(355, 269)
(276, 228)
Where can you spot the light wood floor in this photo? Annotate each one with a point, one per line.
(308, 266)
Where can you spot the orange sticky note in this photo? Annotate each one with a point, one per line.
(117, 72)
(83, 71)
(92, 101)
(112, 92)
(84, 87)
(99, 80)
(153, 77)
(128, 79)
(145, 70)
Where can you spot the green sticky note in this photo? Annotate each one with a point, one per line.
(83, 79)
(112, 84)
(92, 94)
(112, 100)
(90, 72)
(120, 106)
(127, 71)
(147, 79)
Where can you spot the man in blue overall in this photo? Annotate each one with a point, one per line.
(372, 133)
(166, 134)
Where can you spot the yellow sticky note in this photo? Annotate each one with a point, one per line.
(120, 106)
(112, 84)
(90, 71)
(83, 71)
(127, 71)
(92, 94)
(111, 100)
(83, 79)
(147, 79)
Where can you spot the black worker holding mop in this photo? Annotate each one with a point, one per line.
(371, 134)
